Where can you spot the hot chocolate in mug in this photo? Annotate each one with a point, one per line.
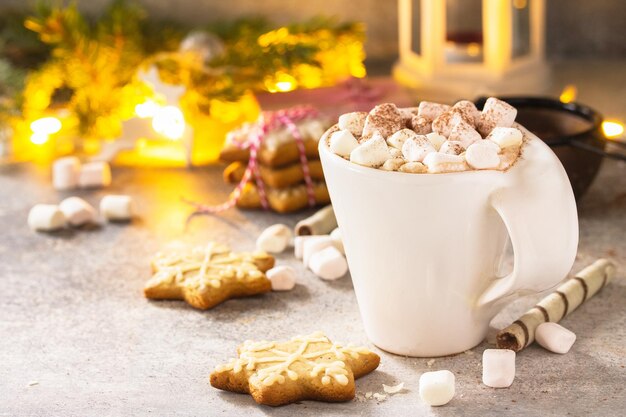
(426, 251)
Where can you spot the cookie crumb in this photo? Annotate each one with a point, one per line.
(33, 383)
(393, 389)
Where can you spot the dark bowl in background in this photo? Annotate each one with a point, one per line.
(565, 127)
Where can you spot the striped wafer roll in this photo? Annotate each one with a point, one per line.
(321, 223)
(556, 305)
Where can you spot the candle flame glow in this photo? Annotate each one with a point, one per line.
(146, 109)
(569, 94)
(612, 129)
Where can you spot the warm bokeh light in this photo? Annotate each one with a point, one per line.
(473, 49)
(281, 83)
(612, 129)
(169, 122)
(520, 4)
(39, 138)
(568, 94)
(146, 109)
(47, 125)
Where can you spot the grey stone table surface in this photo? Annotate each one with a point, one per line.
(77, 337)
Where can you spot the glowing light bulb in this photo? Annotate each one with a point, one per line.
(48, 125)
(569, 94)
(169, 122)
(612, 129)
(146, 109)
(282, 83)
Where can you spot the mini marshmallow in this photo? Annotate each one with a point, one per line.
(397, 139)
(117, 207)
(65, 172)
(508, 156)
(393, 164)
(445, 122)
(480, 156)
(498, 367)
(436, 140)
(328, 264)
(298, 245)
(438, 162)
(353, 122)
(313, 245)
(452, 147)
(395, 153)
(468, 111)
(430, 111)
(95, 174)
(554, 337)
(77, 211)
(465, 133)
(343, 143)
(416, 148)
(45, 218)
(437, 388)
(384, 119)
(274, 239)
(372, 153)
(407, 114)
(421, 125)
(282, 278)
(496, 113)
(506, 137)
(335, 235)
(413, 168)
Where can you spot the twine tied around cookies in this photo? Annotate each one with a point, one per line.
(266, 122)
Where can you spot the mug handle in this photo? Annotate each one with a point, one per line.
(536, 204)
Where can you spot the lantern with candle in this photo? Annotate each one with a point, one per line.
(454, 48)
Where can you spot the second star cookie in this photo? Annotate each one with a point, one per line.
(207, 276)
(307, 367)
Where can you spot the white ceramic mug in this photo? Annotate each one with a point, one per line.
(425, 250)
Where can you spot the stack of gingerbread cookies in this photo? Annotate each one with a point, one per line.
(279, 162)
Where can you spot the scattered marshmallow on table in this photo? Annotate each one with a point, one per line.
(77, 211)
(282, 278)
(315, 244)
(482, 156)
(437, 388)
(274, 239)
(506, 137)
(372, 153)
(328, 263)
(117, 207)
(353, 122)
(95, 174)
(498, 367)
(298, 245)
(335, 235)
(554, 337)
(416, 148)
(496, 113)
(65, 173)
(46, 218)
(343, 143)
(438, 162)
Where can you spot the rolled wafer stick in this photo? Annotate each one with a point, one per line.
(321, 223)
(557, 305)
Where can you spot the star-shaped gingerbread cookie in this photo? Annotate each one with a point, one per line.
(303, 368)
(207, 276)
